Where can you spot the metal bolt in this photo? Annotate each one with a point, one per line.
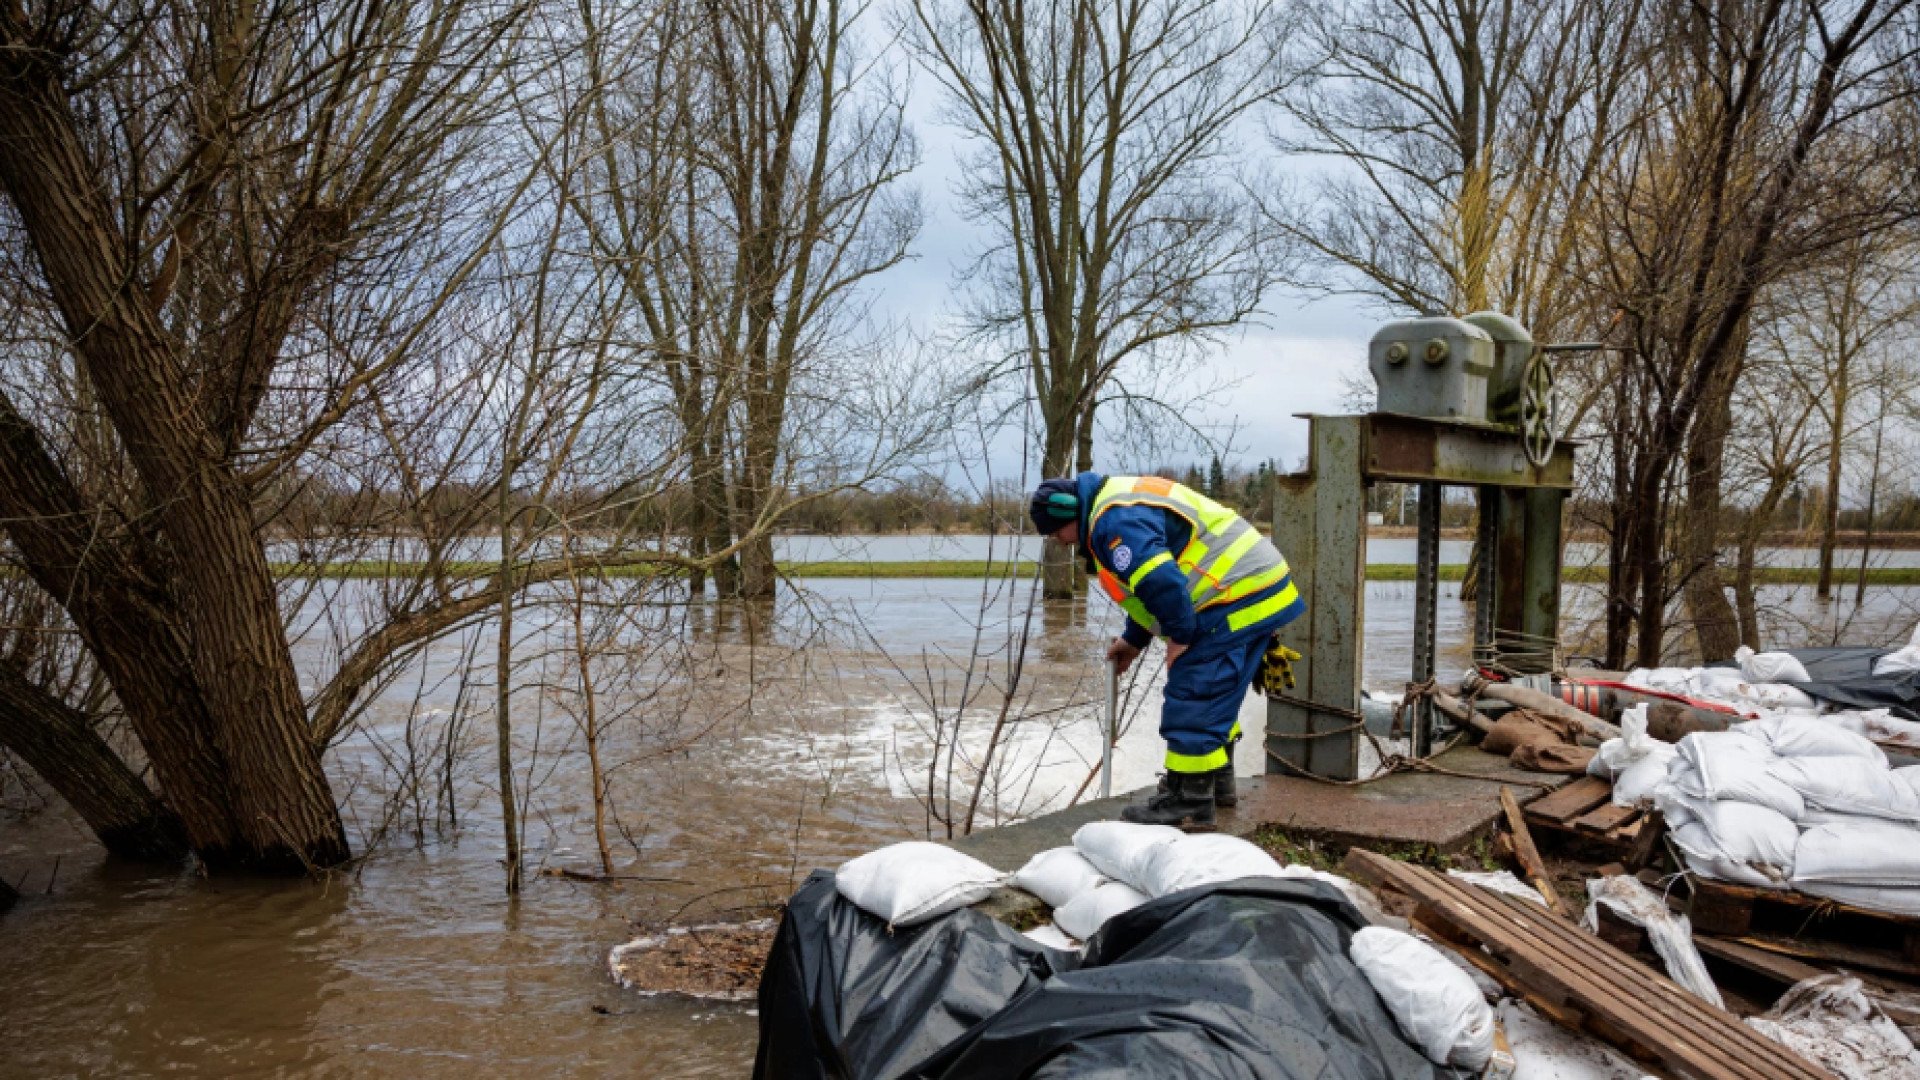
(1437, 351)
(1397, 353)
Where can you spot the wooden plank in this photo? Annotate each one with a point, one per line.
(1546, 958)
(1669, 1014)
(1833, 952)
(1646, 842)
(1605, 818)
(1784, 971)
(1729, 910)
(1570, 802)
(1555, 976)
(1527, 855)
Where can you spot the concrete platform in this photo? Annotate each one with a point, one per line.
(1408, 809)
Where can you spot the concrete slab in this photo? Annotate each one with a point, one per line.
(1443, 810)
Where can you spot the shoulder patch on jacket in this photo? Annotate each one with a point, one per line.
(1122, 558)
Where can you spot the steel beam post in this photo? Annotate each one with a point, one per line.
(1487, 569)
(1319, 524)
(1540, 618)
(1426, 575)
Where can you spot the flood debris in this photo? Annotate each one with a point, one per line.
(1830, 1019)
(714, 962)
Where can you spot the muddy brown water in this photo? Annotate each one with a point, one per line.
(416, 964)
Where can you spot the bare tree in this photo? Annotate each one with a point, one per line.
(1104, 165)
(186, 181)
(748, 185)
(1756, 115)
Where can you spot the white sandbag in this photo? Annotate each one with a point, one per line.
(1058, 875)
(1878, 725)
(1850, 785)
(1671, 933)
(1636, 762)
(1770, 667)
(1717, 684)
(1911, 776)
(1726, 765)
(1203, 860)
(1500, 881)
(1641, 783)
(1901, 661)
(1862, 851)
(1830, 1021)
(1084, 915)
(1731, 840)
(915, 881)
(1793, 736)
(1053, 937)
(1728, 686)
(1634, 743)
(1119, 849)
(1355, 895)
(1671, 680)
(1436, 1005)
(1779, 696)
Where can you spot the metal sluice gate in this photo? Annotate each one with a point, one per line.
(1462, 403)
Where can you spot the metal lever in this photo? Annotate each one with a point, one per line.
(1106, 744)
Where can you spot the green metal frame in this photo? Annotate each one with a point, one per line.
(1319, 523)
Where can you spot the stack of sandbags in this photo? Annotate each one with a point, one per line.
(1796, 802)
(1115, 866)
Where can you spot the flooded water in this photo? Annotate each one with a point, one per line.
(785, 744)
(1387, 550)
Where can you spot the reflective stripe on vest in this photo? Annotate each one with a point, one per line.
(1226, 559)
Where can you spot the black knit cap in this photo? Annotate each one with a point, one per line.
(1049, 513)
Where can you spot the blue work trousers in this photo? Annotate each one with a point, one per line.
(1204, 690)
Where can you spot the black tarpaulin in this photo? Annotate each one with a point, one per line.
(1248, 979)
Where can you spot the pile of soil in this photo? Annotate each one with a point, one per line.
(719, 961)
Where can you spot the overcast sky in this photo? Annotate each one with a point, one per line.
(1290, 362)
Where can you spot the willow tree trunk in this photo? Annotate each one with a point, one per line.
(1057, 560)
(208, 584)
(57, 742)
(1716, 626)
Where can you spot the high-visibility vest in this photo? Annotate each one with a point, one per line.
(1227, 560)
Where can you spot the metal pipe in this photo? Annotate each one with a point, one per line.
(1112, 732)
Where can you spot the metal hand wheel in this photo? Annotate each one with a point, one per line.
(1536, 410)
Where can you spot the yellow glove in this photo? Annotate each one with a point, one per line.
(1276, 670)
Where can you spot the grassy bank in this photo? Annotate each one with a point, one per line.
(969, 568)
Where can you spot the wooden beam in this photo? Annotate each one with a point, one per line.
(1529, 856)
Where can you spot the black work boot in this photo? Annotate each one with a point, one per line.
(1184, 800)
(1224, 793)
